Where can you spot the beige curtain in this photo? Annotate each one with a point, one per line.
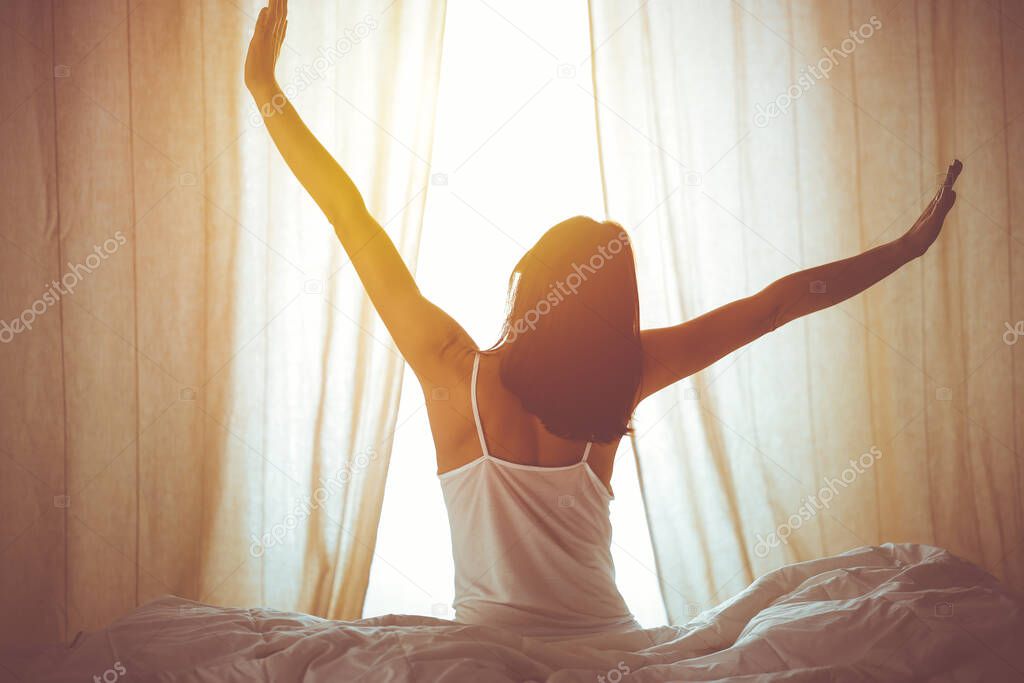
(744, 140)
(197, 397)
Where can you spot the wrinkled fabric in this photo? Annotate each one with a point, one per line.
(891, 612)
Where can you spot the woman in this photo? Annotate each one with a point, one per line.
(526, 432)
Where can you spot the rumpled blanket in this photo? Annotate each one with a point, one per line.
(887, 613)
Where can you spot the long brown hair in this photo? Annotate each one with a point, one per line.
(570, 344)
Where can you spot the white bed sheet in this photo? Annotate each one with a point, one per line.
(888, 613)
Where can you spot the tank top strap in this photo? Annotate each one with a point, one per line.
(476, 408)
(586, 451)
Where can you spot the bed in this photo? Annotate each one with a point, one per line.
(891, 612)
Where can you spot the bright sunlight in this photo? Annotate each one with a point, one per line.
(514, 153)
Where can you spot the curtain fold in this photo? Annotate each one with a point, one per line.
(199, 398)
(311, 403)
(745, 140)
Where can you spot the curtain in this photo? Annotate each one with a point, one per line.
(198, 397)
(743, 140)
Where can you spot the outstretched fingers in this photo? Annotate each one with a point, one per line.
(953, 173)
(945, 197)
(278, 29)
(279, 9)
(274, 19)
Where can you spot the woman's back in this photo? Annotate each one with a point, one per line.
(531, 542)
(513, 434)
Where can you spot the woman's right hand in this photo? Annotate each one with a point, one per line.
(265, 46)
(927, 227)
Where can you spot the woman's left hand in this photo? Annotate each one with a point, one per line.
(927, 227)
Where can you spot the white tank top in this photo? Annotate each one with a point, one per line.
(532, 546)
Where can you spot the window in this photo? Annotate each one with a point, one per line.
(515, 151)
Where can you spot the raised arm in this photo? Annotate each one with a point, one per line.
(420, 329)
(672, 353)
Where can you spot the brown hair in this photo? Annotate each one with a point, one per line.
(571, 338)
